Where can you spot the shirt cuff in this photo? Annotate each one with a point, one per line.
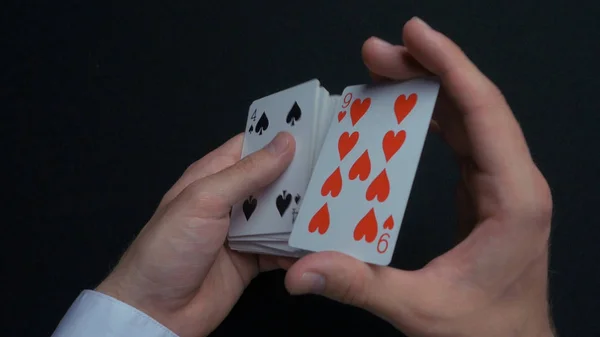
(94, 314)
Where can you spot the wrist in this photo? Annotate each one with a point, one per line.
(516, 322)
(120, 286)
(114, 287)
(155, 301)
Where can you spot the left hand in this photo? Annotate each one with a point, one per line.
(178, 270)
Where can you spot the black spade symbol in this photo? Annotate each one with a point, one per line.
(262, 125)
(249, 206)
(283, 202)
(251, 129)
(294, 115)
(297, 198)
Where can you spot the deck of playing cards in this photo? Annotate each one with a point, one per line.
(349, 182)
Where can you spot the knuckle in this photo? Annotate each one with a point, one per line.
(492, 98)
(249, 164)
(198, 165)
(200, 201)
(485, 96)
(210, 164)
(495, 92)
(544, 203)
(354, 291)
(535, 202)
(194, 166)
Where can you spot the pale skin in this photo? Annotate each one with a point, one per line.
(493, 283)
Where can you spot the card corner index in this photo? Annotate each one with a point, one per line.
(253, 105)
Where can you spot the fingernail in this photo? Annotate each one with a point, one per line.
(381, 42)
(278, 145)
(312, 283)
(421, 22)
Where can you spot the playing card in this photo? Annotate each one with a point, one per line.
(324, 119)
(359, 189)
(282, 246)
(281, 237)
(254, 248)
(273, 209)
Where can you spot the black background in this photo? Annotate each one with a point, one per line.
(105, 104)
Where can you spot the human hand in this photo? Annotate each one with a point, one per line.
(177, 270)
(494, 282)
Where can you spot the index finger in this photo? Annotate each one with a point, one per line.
(389, 62)
(222, 157)
(496, 140)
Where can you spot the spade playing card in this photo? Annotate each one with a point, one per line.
(359, 189)
(348, 185)
(294, 110)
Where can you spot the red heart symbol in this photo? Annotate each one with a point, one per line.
(361, 167)
(366, 228)
(392, 143)
(346, 143)
(320, 221)
(389, 223)
(333, 184)
(403, 106)
(341, 115)
(380, 188)
(358, 109)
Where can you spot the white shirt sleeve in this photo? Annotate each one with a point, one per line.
(94, 314)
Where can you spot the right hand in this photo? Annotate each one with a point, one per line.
(494, 282)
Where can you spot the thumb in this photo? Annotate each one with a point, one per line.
(383, 291)
(213, 196)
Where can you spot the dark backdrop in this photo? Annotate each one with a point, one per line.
(105, 104)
